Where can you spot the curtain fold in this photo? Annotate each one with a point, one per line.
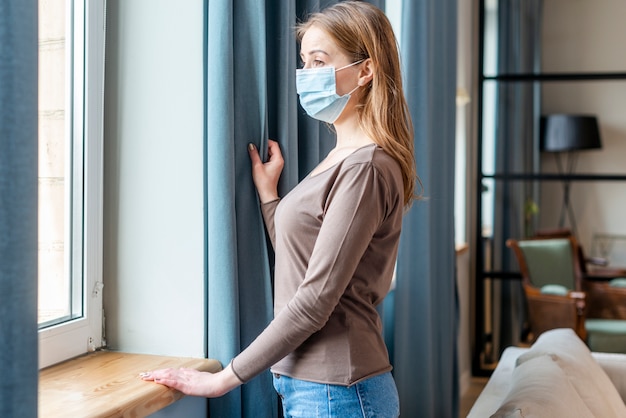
(238, 290)
(425, 325)
(516, 151)
(18, 209)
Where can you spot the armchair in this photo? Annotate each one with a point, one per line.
(604, 286)
(558, 297)
(591, 267)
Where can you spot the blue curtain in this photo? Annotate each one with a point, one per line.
(239, 297)
(516, 151)
(425, 325)
(250, 61)
(18, 208)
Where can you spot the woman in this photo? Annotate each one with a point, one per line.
(336, 234)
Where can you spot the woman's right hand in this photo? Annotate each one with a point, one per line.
(266, 175)
(195, 383)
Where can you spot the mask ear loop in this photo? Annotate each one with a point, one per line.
(350, 65)
(354, 89)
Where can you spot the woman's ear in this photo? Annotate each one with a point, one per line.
(366, 72)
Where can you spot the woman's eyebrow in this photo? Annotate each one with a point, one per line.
(314, 51)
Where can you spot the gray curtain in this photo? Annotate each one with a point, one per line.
(425, 325)
(18, 208)
(517, 151)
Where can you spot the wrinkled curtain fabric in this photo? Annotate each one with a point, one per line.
(426, 318)
(251, 57)
(239, 296)
(517, 120)
(18, 208)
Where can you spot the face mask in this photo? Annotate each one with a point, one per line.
(317, 89)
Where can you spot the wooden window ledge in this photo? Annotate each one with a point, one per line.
(107, 384)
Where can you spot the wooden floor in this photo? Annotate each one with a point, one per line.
(469, 397)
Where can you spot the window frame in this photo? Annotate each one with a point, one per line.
(86, 76)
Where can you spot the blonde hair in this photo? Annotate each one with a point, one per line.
(363, 31)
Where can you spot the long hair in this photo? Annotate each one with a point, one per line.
(363, 31)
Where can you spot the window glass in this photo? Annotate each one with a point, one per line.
(71, 77)
(55, 223)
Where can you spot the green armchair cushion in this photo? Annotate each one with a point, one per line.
(554, 289)
(618, 282)
(549, 261)
(606, 335)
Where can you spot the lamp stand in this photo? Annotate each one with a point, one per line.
(566, 208)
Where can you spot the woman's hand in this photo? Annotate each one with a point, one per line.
(266, 175)
(195, 383)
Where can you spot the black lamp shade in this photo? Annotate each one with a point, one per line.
(561, 132)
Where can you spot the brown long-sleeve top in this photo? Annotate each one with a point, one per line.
(336, 239)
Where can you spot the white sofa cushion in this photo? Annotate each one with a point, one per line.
(585, 375)
(498, 385)
(615, 367)
(540, 388)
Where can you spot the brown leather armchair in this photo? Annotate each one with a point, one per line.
(558, 296)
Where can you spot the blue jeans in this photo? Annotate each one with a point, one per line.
(373, 397)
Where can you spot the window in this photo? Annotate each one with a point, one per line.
(71, 75)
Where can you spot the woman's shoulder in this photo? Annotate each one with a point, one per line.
(375, 156)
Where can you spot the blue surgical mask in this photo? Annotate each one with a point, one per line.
(317, 89)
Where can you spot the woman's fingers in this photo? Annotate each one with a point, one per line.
(254, 154)
(156, 374)
(273, 151)
(266, 175)
(188, 381)
(193, 382)
(275, 156)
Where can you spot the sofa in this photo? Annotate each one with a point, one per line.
(558, 376)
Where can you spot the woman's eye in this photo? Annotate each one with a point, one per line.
(311, 64)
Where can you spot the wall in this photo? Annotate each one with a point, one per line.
(154, 213)
(587, 36)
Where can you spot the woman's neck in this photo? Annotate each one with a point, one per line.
(350, 134)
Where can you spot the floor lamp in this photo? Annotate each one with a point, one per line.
(568, 134)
